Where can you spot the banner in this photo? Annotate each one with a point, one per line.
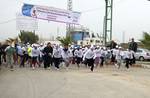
(26, 23)
(51, 14)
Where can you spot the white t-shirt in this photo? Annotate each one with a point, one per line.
(97, 53)
(66, 54)
(119, 54)
(35, 52)
(89, 54)
(129, 54)
(78, 53)
(57, 53)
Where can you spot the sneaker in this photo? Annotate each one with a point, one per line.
(11, 69)
(57, 69)
(33, 68)
(116, 65)
(49, 68)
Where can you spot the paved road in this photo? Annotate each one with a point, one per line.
(143, 62)
(102, 83)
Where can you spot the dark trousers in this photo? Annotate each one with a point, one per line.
(128, 61)
(113, 58)
(47, 61)
(133, 60)
(4, 57)
(56, 62)
(30, 60)
(26, 57)
(40, 59)
(90, 63)
(23, 59)
(73, 60)
(102, 61)
(78, 61)
(34, 61)
(0, 60)
(85, 62)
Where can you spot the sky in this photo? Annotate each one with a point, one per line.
(130, 17)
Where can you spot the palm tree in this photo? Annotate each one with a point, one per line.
(65, 40)
(146, 40)
(12, 40)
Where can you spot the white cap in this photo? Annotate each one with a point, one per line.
(97, 46)
(117, 46)
(120, 47)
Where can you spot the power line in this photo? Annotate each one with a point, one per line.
(85, 11)
(99, 8)
(4, 22)
(10, 20)
(91, 10)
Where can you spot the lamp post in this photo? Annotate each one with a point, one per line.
(69, 26)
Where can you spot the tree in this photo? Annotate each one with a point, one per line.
(30, 37)
(12, 40)
(146, 40)
(98, 35)
(65, 40)
(93, 35)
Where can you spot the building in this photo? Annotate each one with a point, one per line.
(53, 42)
(91, 41)
(79, 35)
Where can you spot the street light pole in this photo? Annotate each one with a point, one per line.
(69, 26)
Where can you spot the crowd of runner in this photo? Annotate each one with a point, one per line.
(49, 55)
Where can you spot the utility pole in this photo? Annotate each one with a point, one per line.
(123, 37)
(58, 31)
(69, 26)
(108, 21)
(103, 36)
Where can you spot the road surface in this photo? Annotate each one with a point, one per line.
(75, 83)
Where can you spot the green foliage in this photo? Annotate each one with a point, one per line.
(65, 40)
(12, 40)
(30, 37)
(93, 35)
(146, 40)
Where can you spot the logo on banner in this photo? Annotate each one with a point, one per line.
(33, 13)
(26, 9)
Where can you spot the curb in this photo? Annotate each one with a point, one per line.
(142, 66)
(145, 66)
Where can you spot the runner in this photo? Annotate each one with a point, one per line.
(57, 56)
(102, 57)
(128, 57)
(10, 50)
(89, 56)
(35, 54)
(97, 52)
(48, 50)
(66, 54)
(119, 57)
(78, 55)
(29, 50)
(0, 56)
